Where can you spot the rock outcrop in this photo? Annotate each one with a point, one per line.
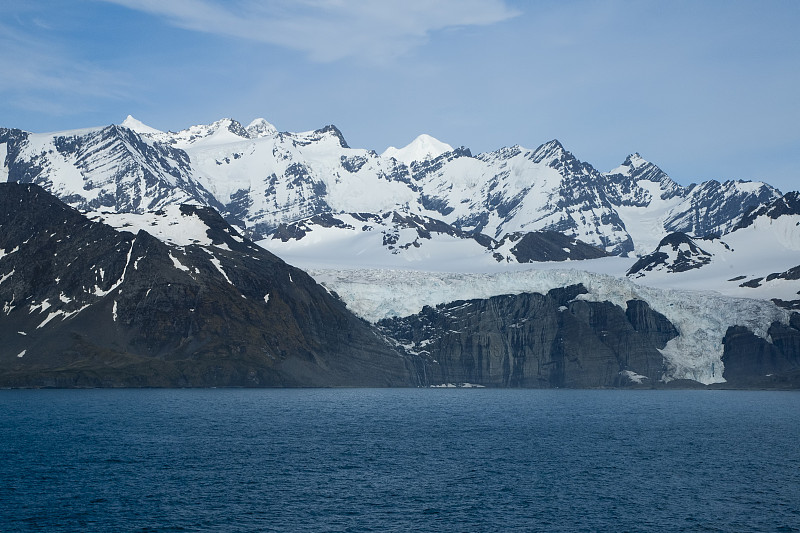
(535, 340)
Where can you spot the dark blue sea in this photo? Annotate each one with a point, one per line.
(399, 460)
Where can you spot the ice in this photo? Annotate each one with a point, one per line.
(701, 317)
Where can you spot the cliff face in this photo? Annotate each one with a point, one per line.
(86, 305)
(534, 340)
(753, 362)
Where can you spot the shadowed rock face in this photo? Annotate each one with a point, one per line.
(534, 340)
(751, 361)
(551, 246)
(677, 252)
(86, 305)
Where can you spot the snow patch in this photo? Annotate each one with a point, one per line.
(633, 376)
(97, 291)
(3, 167)
(6, 276)
(214, 261)
(177, 264)
(4, 253)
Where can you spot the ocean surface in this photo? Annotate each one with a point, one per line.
(399, 460)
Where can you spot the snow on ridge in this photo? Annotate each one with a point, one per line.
(168, 225)
(702, 318)
(422, 148)
(138, 126)
(261, 128)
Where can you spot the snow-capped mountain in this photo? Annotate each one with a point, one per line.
(260, 178)
(758, 259)
(178, 297)
(422, 148)
(453, 235)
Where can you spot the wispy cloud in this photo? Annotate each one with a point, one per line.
(329, 30)
(40, 76)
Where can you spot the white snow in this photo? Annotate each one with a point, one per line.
(422, 148)
(6, 276)
(41, 307)
(4, 253)
(3, 167)
(768, 246)
(139, 127)
(97, 291)
(60, 313)
(261, 128)
(633, 376)
(114, 311)
(177, 264)
(168, 224)
(214, 261)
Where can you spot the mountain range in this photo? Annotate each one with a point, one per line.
(628, 248)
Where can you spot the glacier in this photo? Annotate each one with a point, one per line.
(701, 317)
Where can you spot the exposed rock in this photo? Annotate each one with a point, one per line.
(550, 246)
(86, 305)
(534, 340)
(677, 252)
(751, 361)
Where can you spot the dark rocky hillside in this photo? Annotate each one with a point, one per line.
(84, 305)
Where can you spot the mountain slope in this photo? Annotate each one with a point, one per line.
(260, 178)
(760, 258)
(87, 305)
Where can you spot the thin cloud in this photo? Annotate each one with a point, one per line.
(38, 74)
(329, 30)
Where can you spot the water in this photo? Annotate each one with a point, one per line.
(399, 460)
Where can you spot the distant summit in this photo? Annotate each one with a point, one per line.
(138, 126)
(422, 148)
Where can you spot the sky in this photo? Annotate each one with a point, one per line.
(706, 89)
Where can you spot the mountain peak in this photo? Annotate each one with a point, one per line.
(231, 125)
(332, 130)
(635, 160)
(422, 148)
(261, 128)
(550, 150)
(138, 126)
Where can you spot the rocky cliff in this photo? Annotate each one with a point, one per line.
(85, 305)
(535, 340)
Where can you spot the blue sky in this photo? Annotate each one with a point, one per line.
(706, 89)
